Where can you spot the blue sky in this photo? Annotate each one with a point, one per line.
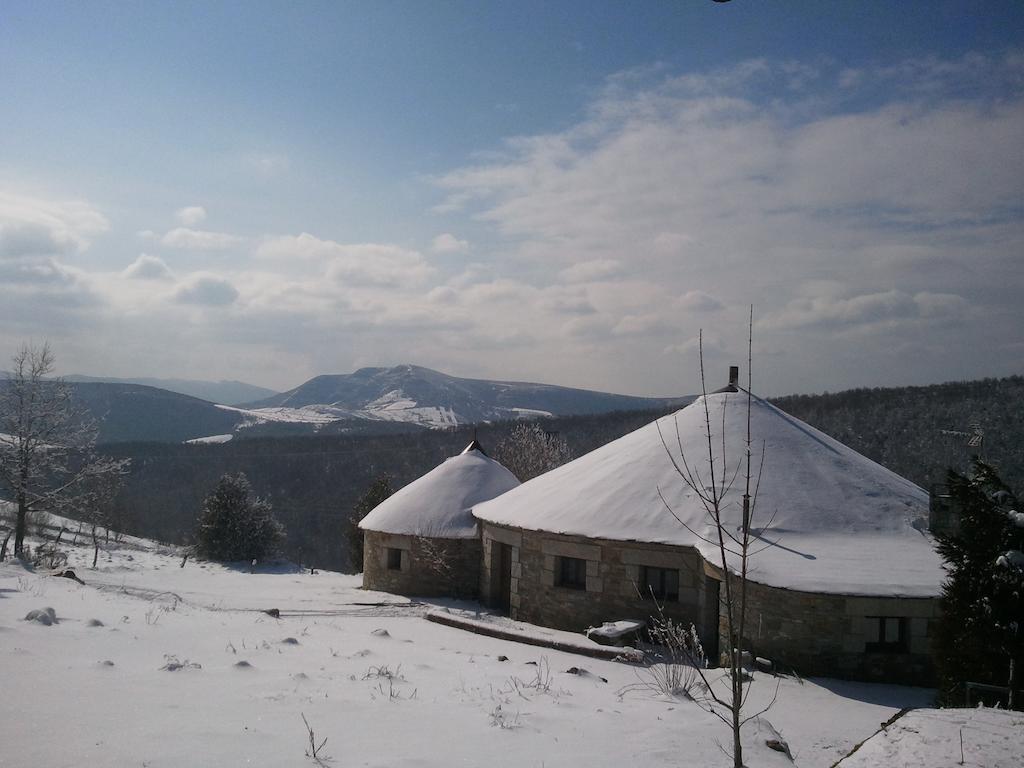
(564, 192)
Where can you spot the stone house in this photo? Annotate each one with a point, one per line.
(844, 580)
(423, 540)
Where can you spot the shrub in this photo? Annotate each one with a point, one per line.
(235, 525)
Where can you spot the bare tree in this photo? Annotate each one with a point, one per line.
(529, 451)
(47, 445)
(711, 485)
(93, 502)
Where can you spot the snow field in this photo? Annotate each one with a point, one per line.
(386, 687)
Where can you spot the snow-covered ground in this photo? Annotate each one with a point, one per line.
(946, 738)
(153, 664)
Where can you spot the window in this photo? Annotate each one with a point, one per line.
(394, 558)
(886, 634)
(659, 583)
(571, 572)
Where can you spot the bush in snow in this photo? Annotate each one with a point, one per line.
(979, 637)
(235, 525)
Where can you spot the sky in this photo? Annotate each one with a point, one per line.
(568, 192)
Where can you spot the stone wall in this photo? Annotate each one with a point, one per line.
(815, 634)
(819, 634)
(419, 574)
(612, 578)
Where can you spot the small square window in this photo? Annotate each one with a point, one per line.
(394, 558)
(571, 573)
(886, 634)
(659, 583)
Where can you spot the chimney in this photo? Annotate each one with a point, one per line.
(734, 376)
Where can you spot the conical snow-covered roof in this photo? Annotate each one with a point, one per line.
(437, 505)
(840, 523)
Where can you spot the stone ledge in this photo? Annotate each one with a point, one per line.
(570, 549)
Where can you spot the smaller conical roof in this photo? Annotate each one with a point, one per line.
(437, 505)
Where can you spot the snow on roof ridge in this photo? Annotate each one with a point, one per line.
(843, 523)
(438, 503)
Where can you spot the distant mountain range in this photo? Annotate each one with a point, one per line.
(371, 400)
(419, 395)
(226, 392)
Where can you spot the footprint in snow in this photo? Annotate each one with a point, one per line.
(106, 663)
(94, 623)
(289, 641)
(381, 633)
(243, 665)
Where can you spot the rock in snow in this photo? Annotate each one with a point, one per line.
(44, 616)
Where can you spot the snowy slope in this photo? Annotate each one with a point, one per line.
(438, 503)
(933, 738)
(842, 523)
(145, 667)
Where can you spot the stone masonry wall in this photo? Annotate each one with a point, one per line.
(612, 575)
(819, 634)
(418, 577)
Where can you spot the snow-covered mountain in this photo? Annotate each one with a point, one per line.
(371, 400)
(413, 394)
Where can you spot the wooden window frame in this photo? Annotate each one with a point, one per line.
(664, 588)
(881, 627)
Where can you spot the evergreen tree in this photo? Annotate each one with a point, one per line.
(379, 490)
(235, 525)
(979, 637)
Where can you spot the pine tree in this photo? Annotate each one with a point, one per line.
(379, 490)
(979, 637)
(235, 525)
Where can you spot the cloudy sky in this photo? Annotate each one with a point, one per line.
(565, 192)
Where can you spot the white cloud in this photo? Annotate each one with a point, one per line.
(640, 325)
(448, 243)
(35, 226)
(864, 310)
(358, 264)
(147, 267)
(191, 216)
(711, 345)
(206, 290)
(591, 271)
(698, 301)
(200, 240)
(760, 184)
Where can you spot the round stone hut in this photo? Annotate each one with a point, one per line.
(423, 540)
(843, 577)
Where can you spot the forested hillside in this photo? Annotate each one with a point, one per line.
(314, 482)
(907, 428)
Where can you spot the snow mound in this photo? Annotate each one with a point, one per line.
(840, 522)
(438, 504)
(210, 440)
